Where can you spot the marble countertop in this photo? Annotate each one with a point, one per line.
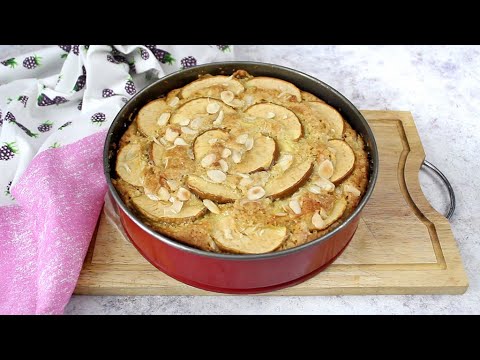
(440, 85)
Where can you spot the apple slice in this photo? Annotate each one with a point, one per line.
(207, 190)
(260, 157)
(330, 115)
(335, 214)
(288, 182)
(344, 160)
(306, 96)
(221, 81)
(269, 83)
(157, 153)
(202, 145)
(197, 108)
(148, 117)
(252, 240)
(162, 211)
(130, 163)
(282, 119)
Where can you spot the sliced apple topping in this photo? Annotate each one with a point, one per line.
(344, 160)
(260, 156)
(225, 82)
(281, 86)
(251, 240)
(130, 163)
(288, 182)
(321, 223)
(177, 211)
(152, 117)
(218, 192)
(331, 116)
(284, 122)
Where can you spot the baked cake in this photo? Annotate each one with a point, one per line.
(241, 164)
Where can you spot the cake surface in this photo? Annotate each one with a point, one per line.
(241, 164)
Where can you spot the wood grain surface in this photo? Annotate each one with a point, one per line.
(402, 245)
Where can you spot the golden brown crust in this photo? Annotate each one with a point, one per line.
(266, 200)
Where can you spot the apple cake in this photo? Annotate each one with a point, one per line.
(241, 164)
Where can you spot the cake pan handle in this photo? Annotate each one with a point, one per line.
(451, 193)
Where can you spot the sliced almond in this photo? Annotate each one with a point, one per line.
(314, 189)
(176, 206)
(325, 169)
(171, 135)
(223, 165)
(163, 119)
(255, 193)
(226, 153)
(210, 205)
(208, 160)
(351, 189)
(163, 141)
(172, 184)
(180, 142)
(213, 108)
(236, 156)
(183, 194)
(317, 221)
(154, 139)
(323, 213)
(295, 206)
(270, 115)
(285, 161)
(184, 122)
(219, 119)
(152, 197)
(163, 194)
(242, 139)
(325, 184)
(172, 199)
(249, 100)
(227, 96)
(249, 143)
(186, 130)
(174, 101)
(216, 176)
(279, 214)
(245, 181)
(196, 123)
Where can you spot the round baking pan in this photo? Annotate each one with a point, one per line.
(232, 273)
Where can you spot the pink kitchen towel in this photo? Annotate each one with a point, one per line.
(55, 108)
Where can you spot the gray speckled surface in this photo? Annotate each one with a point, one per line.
(440, 85)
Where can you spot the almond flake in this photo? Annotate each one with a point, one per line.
(323, 213)
(188, 131)
(154, 139)
(325, 169)
(270, 115)
(174, 101)
(241, 139)
(295, 206)
(171, 135)
(213, 108)
(163, 141)
(172, 184)
(127, 168)
(314, 189)
(325, 184)
(172, 199)
(176, 206)
(285, 161)
(351, 189)
(180, 142)
(163, 119)
(208, 160)
(255, 193)
(196, 123)
(226, 153)
(210, 205)
(163, 194)
(227, 96)
(249, 100)
(219, 119)
(216, 176)
(281, 214)
(285, 117)
(212, 141)
(249, 144)
(317, 221)
(245, 176)
(152, 197)
(183, 194)
(245, 181)
(236, 156)
(184, 122)
(223, 165)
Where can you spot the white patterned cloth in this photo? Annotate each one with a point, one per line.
(64, 93)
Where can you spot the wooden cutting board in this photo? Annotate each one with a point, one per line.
(402, 245)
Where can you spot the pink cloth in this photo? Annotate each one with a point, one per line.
(45, 236)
